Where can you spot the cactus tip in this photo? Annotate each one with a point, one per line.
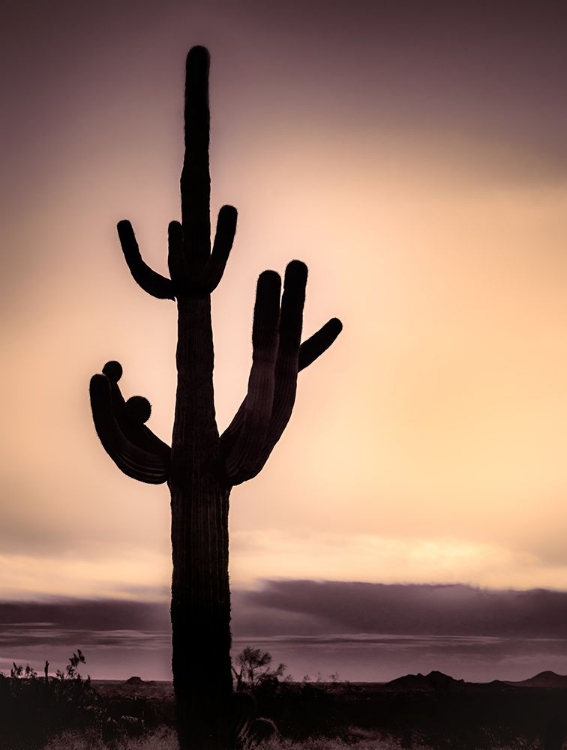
(198, 49)
(228, 212)
(269, 279)
(198, 55)
(336, 325)
(296, 271)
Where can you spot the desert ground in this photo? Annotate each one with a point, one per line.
(433, 712)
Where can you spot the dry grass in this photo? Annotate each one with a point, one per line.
(166, 740)
(322, 743)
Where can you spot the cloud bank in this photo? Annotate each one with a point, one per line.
(363, 631)
(318, 608)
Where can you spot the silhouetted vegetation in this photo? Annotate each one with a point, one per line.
(417, 711)
(254, 669)
(35, 709)
(469, 717)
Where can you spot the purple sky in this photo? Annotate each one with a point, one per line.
(414, 155)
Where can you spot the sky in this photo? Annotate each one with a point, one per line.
(414, 156)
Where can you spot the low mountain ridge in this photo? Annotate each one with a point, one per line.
(438, 681)
(547, 679)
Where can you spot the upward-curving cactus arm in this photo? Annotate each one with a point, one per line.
(287, 365)
(241, 460)
(224, 237)
(310, 350)
(194, 269)
(151, 282)
(120, 427)
(188, 277)
(263, 415)
(318, 343)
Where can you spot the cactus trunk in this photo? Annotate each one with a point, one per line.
(200, 616)
(200, 604)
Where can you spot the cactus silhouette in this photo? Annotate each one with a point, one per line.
(202, 466)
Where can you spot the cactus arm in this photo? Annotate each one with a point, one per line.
(131, 460)
(137, 411)
(120, 427)
(291, 324)
(239, 466)
(310, 350)
(205, 280)
(131, 415)
(150, 281)
(224, 237)
(243, 456)
(315, 345)
(291, 358)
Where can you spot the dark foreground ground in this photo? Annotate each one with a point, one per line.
(432, 711)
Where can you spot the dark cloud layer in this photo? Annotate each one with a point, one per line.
(92, 615)
(314, 608)
(350, 607)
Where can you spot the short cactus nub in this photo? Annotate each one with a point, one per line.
(113, 371)
(242, 715)
(260, 731)
(201, 467)
(139, 409)
(247, 731)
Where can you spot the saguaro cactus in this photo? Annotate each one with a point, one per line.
(202, 466)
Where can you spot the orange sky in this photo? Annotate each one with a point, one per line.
(421, 174)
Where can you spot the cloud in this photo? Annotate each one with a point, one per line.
(128, 572)
(337, 607)
(324, 608)
(84, 614)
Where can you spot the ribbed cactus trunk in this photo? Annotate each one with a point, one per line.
(200, 603)
(201, 467)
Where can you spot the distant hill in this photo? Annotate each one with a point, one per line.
(432, 681)
(134, 680)
(437, 681)
(543, 680)
(497, 684)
